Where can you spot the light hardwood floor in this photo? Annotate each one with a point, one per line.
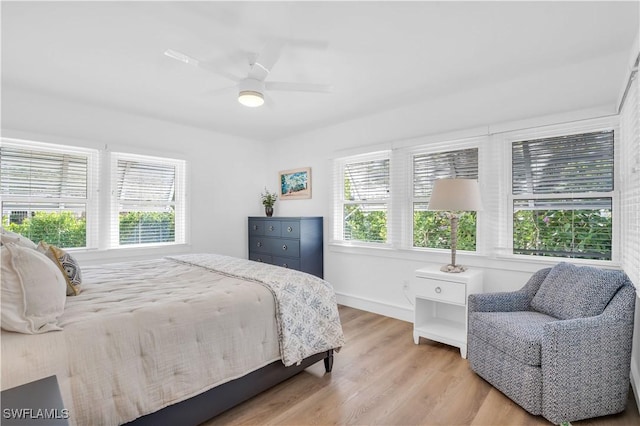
(381, 377)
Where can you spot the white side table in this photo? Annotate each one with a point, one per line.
(441, 305)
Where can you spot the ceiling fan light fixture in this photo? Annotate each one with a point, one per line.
(251, 92)
(250, 98)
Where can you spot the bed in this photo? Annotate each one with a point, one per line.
(177, 339)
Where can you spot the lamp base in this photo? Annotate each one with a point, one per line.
(453, 268)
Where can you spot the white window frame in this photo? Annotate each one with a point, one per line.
(179, 194)
(91, 201)
(340, 202)
(587, 126)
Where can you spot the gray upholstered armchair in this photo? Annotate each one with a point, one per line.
(559, 347)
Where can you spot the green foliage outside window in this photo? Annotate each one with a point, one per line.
(147, 227)
(62, 229)
(582, 234)
(433, 229)
(360, 225)
(67, 230)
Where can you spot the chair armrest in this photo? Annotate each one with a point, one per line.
(499, 302)
(585, 358)
(508, 301)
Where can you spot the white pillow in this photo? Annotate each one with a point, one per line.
(11, 237)
(34, 291)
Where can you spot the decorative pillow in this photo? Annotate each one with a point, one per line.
(67, 264)
(12, 237)
(33, 291)
(570, 292)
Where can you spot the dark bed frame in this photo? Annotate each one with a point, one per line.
(202, 407)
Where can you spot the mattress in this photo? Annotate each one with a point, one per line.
(145, 335)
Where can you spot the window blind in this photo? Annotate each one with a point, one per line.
(37, 173)
(145, 182)
(367, 180)
(148, 198)
(427, 168)
(630, 191)
(564, 164)
(45, 191)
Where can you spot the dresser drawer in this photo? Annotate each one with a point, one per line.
(284, 247)
(260, 244)
(256, 227)
(443, 291)
(260, 257)
(272, 228)
(294, 241)
(287, 262)
(290, 230)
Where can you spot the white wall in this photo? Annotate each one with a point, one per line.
(227, 173)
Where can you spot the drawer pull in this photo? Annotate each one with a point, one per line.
(284, 247)
(289, 229)
(438, 290)
(271, 228)
(259, 244)
(284, 265)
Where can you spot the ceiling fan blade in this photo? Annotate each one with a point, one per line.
(264, 62)
(182, 57)
(179, 56)
(269, 102)
(221, 90)
(298, 87)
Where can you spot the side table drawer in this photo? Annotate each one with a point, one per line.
(442, 291)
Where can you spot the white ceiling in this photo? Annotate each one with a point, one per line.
(376, 55)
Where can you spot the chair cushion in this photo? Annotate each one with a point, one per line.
(518, 334)
(571, 292)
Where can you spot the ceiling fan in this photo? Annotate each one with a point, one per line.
(252, 87)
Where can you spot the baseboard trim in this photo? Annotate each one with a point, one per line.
(635, 384)
(388, 310)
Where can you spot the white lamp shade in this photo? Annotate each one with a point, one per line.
(455, 195)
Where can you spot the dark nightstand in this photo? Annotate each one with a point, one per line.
(35, 403)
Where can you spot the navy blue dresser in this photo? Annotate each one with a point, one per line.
(290, 242)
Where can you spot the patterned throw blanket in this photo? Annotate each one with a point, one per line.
(306, 308)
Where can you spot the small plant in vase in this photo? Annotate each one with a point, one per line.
(268, 200)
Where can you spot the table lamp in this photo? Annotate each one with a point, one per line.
(455, 196)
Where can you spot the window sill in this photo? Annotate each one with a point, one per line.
(123, 254)
(518, 263)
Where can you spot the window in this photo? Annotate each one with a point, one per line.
(430, 228)
(149, 194)
(46, 192)
(562, 190)
(49, 192)
(363, 201)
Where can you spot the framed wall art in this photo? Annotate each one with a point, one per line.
(295, 184)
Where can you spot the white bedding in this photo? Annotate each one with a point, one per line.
(145, 335)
